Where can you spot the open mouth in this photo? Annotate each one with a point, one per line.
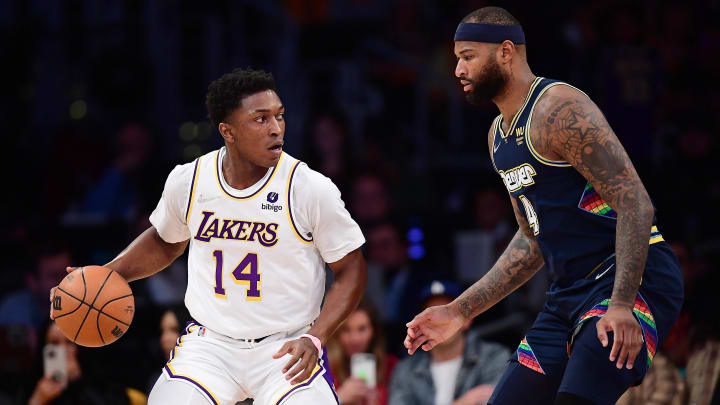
(276, 147)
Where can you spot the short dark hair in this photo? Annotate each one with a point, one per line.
(226, 93)
(491, 15)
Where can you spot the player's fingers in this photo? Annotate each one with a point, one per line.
(429, 345)
(71, 269)
(306, 367)
(283, 351)
(52, 297)
(637, 345)
(417, 342)
(617, 343)
(411, 332)
(294, 359)
(601, 332)
(624, 350)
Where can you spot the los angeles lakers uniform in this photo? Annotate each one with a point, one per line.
(255, 275)
(575, 230)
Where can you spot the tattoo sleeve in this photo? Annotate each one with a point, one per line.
(571, 127)
(518, 263)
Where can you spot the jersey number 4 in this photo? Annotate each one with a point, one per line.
(530, 215)
(251, 278)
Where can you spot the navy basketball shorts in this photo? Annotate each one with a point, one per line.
(562, 353)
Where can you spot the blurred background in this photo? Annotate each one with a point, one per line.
(101, 99)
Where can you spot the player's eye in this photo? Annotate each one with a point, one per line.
(280, 116)
(467, 57)
(261, 119)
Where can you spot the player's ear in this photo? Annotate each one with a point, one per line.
(226, 132)
(505, 51)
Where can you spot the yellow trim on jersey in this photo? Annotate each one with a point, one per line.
(316, 370)
(657, 238)
(192, 189)
(528, 138)
(193, 380)
(287, 203)
(515, 119)
(494, 127)
(251, 196)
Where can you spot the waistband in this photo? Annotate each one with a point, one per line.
(195, 328)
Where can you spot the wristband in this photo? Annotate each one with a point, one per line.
(315, 341)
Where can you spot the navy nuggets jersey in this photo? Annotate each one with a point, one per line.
(573, 225)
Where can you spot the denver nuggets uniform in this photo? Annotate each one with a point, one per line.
(575, 230)
(255, 274)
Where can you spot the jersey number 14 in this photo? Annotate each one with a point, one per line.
(251, 278)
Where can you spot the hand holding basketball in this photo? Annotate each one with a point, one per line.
(93, 305)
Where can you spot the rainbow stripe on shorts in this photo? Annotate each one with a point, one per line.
(643, 315)
(527, 358)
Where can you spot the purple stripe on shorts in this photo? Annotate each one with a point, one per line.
(289, 198)
(328, 375)
(197, 384)
(324, 371)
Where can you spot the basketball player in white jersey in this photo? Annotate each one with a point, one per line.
(260, 225)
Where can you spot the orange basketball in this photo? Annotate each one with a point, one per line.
(93, 306)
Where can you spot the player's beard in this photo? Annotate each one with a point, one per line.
(490, 82)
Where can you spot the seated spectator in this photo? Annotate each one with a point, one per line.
(462, 370)
(80, 389)
(360, 333)
(173, 321)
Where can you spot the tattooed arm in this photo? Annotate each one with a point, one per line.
(519, 262)
(569, 126)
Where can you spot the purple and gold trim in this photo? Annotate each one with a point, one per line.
(193, 183)
(218, 171)
(191, 327)
(319, 370)
(289, 210)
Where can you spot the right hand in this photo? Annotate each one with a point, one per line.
(52, 291)
(432, 326)
(353, 391)
(46, 390)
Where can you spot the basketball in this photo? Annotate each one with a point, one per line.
(93, 306)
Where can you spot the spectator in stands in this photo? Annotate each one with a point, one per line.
(80, 389)
(361, 333)
(462, 370)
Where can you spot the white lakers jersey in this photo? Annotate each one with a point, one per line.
(257, 256)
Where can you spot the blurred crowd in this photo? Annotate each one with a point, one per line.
(105, 98)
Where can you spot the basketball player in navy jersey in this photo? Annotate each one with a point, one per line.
(582, 212)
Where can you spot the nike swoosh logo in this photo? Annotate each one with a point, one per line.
(202, 198)
(496, 147)
(606, 270)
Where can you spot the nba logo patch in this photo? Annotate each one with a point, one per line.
(272, 197)
(201, 331)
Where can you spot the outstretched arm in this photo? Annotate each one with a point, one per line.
(571, 127)
(342, 298)
(519, 262)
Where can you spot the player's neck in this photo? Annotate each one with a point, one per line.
(513, 96)
(240, 173)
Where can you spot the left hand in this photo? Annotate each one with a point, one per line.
(627, 334)
(302, 350)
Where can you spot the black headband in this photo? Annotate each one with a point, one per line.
(491, 33)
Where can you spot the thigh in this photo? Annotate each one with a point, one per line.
(274, 389)
(590, 374)
(200, 361)
(169, 391)
(537, 366)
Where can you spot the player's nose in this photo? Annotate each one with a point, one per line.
(275, 128)
(460, 70)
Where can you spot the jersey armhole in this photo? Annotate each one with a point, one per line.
(291, 218)
(193, 187)
(528, 138)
